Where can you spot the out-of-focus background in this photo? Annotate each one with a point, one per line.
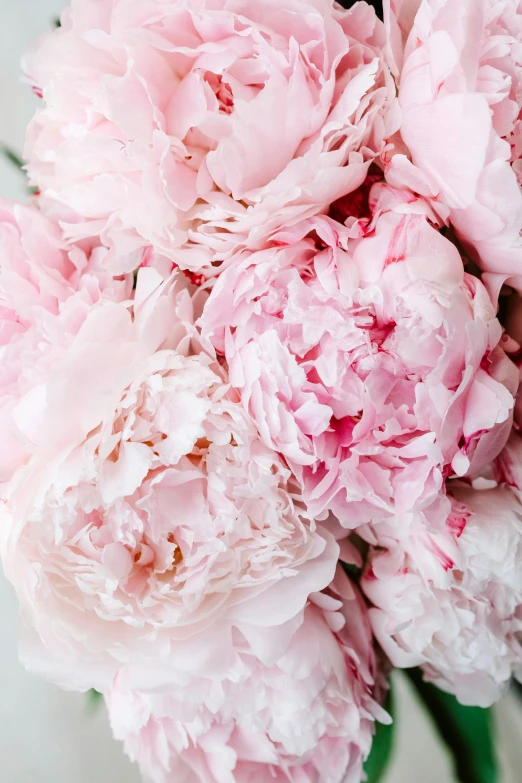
(50, 735)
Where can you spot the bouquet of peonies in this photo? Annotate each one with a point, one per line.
(260, 434)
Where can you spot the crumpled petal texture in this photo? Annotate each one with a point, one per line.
(372, 364)
(460, 88)
(249, 346)
(155, 131)
(148, 518)
(45, 295)
(305, 714)
(450, 599)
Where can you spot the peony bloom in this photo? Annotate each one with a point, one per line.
(451, 601)
(149, 519)
(371, 364)
(45, 295)
(304, 714)
(197, 127)
(460, 87)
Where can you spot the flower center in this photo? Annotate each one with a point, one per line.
(221, 90)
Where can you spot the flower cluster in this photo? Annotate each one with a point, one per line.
(259, 418)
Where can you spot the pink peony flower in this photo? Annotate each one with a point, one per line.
(45, 295)
(451, 601)
(460, 92)
(195, 127)
(371, 364)
(149, 519)
(305, 714)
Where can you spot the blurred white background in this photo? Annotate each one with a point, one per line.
(49, 735)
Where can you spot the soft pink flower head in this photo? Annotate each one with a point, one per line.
(304, 715)
(150, 518)
(460, 87)
(194, 127)
(45, 295)
(371, 364)
(451, 600)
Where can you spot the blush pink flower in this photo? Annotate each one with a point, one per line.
(45, 295)
(149, 519)
(371, 364)
(460, 87)
(451, 600)
(304, 714)
(195, 127)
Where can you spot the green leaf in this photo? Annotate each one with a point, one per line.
(467, 731)
(94, 699)
(351, 570)
(382, 746)
(11, 156)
